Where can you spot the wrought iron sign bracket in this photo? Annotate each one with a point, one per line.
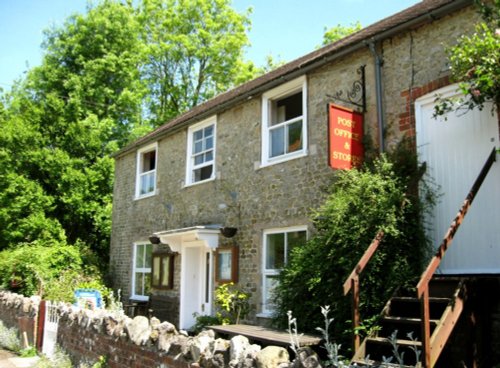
(357, 94)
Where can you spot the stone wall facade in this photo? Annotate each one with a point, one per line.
(254, 198)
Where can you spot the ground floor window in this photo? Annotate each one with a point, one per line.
(141, 275)
(278, 244)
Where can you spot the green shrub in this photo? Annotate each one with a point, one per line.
(203, 321)
(62, 287)
(28, 352)
(51, 270)
(58, 360)
(475, 64)
(360, 203)
(232, 303)
(9, 338)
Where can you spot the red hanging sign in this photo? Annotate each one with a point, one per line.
(345, 136)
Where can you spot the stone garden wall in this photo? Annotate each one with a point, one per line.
(20, 312)
(87, 335)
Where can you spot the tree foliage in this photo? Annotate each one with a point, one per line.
(360, 203)
(339, 31)
(50, 270)
(193, 51)
(475, 63)
(60, 125)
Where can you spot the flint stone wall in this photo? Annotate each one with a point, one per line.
(20, 312)
(86, 335)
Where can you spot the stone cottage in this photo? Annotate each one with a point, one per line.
(224, 191)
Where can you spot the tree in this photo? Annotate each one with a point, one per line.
(339, 31)
(193, 51)
(475, 64)
(60, 124)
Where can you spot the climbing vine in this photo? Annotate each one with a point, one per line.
(475, 64)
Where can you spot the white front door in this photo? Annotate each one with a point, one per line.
(455, 151)
(195, 283)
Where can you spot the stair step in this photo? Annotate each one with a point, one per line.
(399, 342)
(411, 299)
(444, 286)
(373, 363)
(380, 348)
(406, 320)
(410, 307)
(404, 326)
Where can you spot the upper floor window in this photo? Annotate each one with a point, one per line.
(141, 274)
(146, 171)
(278, 245)
(201, 152)
(284, 123)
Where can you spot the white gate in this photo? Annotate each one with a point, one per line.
(455, 151)
(50, 328)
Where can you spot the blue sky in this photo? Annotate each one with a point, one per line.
(286, 29)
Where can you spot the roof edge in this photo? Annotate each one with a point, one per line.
(423, 12)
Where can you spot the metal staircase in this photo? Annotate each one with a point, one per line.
(430, 315)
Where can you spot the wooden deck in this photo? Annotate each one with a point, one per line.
(265, 335)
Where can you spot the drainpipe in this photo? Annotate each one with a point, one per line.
(378, 92)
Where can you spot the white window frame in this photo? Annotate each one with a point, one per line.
(190, 166)
(136, 269)
(140, 174)
(266, 311)
(282, 91)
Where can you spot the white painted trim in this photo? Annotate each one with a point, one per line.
(135, 269)
(190, 237)
(271, 272)
(205, 240)
(276, 93)
(208, 306)
(183, 289)
(444, 92)
(185, 315)
(189, 161)
(140, 152)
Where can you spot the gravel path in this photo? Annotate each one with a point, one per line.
(4, 359)
(10, 360)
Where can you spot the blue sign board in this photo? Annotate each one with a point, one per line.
(88, 298)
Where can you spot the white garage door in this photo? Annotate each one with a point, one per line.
(455, 151)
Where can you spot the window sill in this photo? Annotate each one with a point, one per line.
(138, 298)
(283, 158)
(199, 182)
(264, 315)
(152, 194)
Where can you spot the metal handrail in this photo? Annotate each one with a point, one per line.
(423, 284)
(352, 283)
